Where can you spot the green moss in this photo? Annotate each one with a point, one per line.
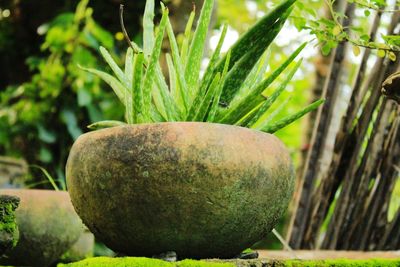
(342, 262)
(193, 263)
(146, 262)
(71, 256)
(8, 224)
(142, 262)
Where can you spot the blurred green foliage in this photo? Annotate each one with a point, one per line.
(395, 201)
(40, 119)
(331, 32)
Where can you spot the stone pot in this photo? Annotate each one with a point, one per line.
(48, 226)
(202, 190)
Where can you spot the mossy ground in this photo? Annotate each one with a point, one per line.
(142, 262)
(146, 262)
(343, 262)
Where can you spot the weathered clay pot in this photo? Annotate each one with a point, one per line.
(48, 226)
(201, 190)
(81, 249)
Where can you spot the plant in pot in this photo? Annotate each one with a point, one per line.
(184, 173)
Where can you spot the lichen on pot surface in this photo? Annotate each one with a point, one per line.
(202, 190)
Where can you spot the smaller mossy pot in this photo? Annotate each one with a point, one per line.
(48, 226)
(203, 190)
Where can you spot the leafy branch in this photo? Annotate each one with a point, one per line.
(377, 6)
(331, 32)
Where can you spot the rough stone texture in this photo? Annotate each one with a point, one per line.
(202, 190)
(48, 226)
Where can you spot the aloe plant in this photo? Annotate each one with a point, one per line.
(232, 89)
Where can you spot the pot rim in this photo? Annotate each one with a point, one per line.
(30, 190)
(178, 123)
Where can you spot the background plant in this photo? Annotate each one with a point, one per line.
(39, 119)
(331, 31)
(350, 191)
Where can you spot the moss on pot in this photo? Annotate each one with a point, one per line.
(8, 226)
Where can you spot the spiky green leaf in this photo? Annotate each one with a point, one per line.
(137, 88)
(253, 98)
(215, 56)
(197, 48)
(271, 99)
(174, 86)
(148, 28)
(256, 33)
(105, 124)
(267, 118)
(275, 126)
(187, 37)
(239, 72)
(113, 65)
(208, 76)
(117, 87)
(181, 95)
(217, 96)
(129, 61)
(207, 100)
(168, 101)
(152, 66)
(159, 103)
